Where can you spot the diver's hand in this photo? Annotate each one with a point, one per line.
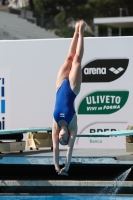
(63, 172)
(57, 170)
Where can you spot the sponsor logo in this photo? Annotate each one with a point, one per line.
(4, 99)
(99, 130)
(103, 102)
(2, 103)
(104, 70)
(95, 141)
(116, 71)
(2, 96)
(62, 115)
(92, 130)
(94, 71)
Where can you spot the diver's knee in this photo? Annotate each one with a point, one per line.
(69, 58)
(77, 58)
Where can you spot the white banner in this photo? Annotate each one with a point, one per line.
(105, 100)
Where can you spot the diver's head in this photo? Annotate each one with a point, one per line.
(63, 135)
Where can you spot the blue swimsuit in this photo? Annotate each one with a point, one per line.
(64, 104)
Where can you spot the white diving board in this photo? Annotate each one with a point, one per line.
(107, 134)
(24, 130)
(49, 129)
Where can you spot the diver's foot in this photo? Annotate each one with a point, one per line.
(82, 26)
(77, 26)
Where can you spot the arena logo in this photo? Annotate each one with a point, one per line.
(103, 102)
(104, 70)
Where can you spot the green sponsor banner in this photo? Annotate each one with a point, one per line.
(103, 102)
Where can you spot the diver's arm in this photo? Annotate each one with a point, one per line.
(56, 158)
(73, 134)
(68, 158)
(55, 146)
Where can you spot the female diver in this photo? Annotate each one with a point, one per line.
(68, 83)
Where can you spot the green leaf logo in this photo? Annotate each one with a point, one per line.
(103, 102)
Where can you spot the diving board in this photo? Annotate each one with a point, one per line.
(24, 130)
(19, 145)
(49, 129)
(17, 134)
(107, 134)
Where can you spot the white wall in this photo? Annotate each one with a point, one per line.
(33, 66)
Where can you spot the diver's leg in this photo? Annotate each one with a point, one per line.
(66, 67)
(73, 45)
(75, 75)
